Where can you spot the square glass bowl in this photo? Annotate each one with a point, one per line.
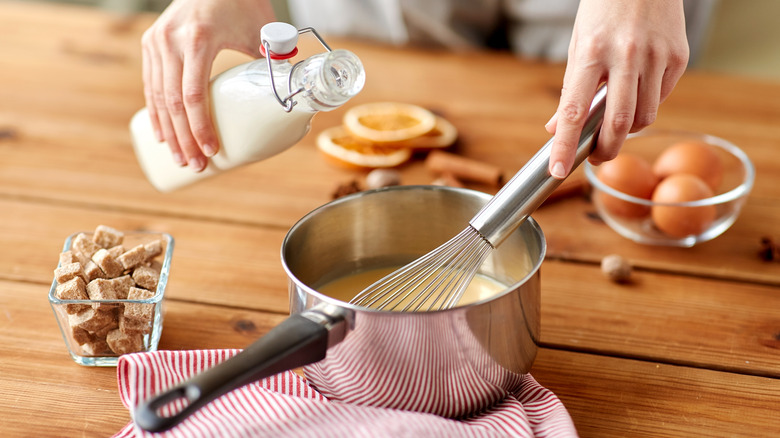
(78, 341)
(729, 196)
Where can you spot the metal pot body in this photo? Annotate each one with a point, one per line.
(450, 363)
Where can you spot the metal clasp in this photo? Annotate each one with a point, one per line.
(287, 103)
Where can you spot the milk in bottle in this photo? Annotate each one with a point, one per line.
(259, 109)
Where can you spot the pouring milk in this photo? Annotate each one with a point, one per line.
(259, 108)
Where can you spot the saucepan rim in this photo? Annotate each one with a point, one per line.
(350, 198)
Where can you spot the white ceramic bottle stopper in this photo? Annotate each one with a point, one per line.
(281, 38)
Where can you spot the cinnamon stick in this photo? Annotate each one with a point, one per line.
(447, 179)
(462, 168)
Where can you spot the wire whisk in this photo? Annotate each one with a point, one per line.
(434, 281)
(439, 279)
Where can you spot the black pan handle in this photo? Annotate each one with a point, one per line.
(299, 340)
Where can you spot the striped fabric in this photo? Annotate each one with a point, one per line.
(286, 405)
(433, 364)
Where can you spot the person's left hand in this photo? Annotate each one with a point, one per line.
(640, 49)
(178, 52)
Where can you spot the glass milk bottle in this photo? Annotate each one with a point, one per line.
(252, 119)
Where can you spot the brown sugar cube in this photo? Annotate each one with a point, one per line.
(146, 277)
(65, 273)
(137, 293)
(93, 271)
(75, 289)
(116, 251)
(137, 310)
(132, 257)
(134, 326)
(72, 256)
(81, 336)
(113, 324)
(107, 263)
(102, 289)
(83, 246)
(122, 285)
(156, 265)
(96, 347)
(91, 320)
(123, 343)
(67, 257)
(107, 237)
(153, 249)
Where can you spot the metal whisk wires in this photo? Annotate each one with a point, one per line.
(433, 282)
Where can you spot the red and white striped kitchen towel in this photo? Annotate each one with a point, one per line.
(286, 405)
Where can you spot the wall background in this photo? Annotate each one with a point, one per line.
(740, 37)
(743, 38)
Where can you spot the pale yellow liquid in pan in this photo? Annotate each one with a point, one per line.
(345, 288)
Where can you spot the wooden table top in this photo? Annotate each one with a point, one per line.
(690, 348)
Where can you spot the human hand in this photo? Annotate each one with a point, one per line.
(178, 51)
(640, 49)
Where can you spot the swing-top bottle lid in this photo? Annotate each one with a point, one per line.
(281, 39)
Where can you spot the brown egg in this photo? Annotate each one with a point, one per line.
(682, 221)
(631, 175)
(693, 157)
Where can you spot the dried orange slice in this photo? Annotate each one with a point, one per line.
(442, 135)
(341, 147)
(388, 122)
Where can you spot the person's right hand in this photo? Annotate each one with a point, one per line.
(178, 51)
(639, 48)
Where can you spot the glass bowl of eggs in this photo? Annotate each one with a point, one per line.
(672, 188)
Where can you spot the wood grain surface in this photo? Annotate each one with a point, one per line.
(690, 347)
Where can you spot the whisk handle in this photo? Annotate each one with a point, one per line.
(526, 191)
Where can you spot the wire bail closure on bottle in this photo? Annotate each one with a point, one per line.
(287, 102)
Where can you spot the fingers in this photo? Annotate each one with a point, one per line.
(147, 75)
(177, 101)
(174, 103)
(195, 94)
(550, 125)
(569, 119)
(619, 115)
(648, 97)
(640, 50)
(156, 75)
(178, 51)
(161, 77)
(674, 70)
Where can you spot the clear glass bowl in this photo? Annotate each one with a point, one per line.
(80, 352)
(730, 196)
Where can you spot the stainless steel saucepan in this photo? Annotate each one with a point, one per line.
(450, 363)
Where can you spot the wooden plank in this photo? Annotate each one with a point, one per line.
(500, 114)
(221, 263)
(666, 318)
(610, 397)
(67, 165)
(673, 318)
(575, 232)
(605, 396)
(56, 121)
